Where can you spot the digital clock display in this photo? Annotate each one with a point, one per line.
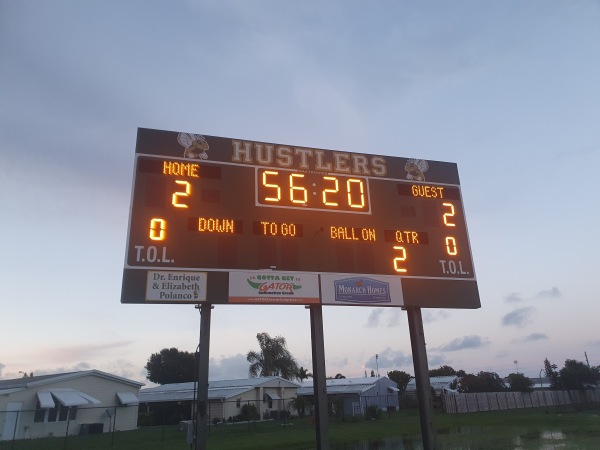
(216, 205)
(325, 192)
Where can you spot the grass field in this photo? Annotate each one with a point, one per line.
(556, 428)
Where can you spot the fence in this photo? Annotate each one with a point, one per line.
(73, 428)
(496, 401)
(64, 423)
(244, 410)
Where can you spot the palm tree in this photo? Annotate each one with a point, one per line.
(273, 359)
(303, 374)
(299, 404)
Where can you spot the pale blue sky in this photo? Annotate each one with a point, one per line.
(509, 90)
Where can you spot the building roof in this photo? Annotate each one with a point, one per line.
(346, 385)
(219, 389)
(19, 384)
(48, 394)
(437, 383)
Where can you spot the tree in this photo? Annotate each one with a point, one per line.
(299, 403)
(442, 371)
(338, 376)
(482, 382)
(273, 359)
(400, 378)
(171, 366)
(303, 374)
(552, 374)
(577, 375)
(519, 383)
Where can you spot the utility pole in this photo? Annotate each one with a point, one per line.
(586, 359)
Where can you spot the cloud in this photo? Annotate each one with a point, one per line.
(531, 338)
(464, 343)
(374, 318)
(389, 359)
(228, 367)
(513, 297)
(84, 351)
(390, 317)
(431, 316)
(553, 292)
(436, 360)
(520, 317)
(394, 317)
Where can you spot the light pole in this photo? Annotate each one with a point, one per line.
(377, 363)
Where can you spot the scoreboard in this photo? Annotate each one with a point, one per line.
(214, 217)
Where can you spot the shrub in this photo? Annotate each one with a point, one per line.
(372, 412)
(249, 412)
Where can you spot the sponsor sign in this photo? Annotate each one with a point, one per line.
(361, 290)
(175, 286)
(269, 287)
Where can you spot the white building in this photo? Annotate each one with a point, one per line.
(356, 394)
(439, 384)
(225, 397)
(82, 402)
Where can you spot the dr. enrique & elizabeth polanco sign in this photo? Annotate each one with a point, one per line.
(223, 220)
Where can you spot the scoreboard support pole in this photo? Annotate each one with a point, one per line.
(419, 354)
(203, 361)
(319, 383)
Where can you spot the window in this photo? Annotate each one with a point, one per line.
(62, 414)
(238, 403)
(52, 413)
(40, 414)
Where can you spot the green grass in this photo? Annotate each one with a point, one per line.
(523, 428)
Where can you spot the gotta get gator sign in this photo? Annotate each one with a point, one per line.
(273, 287)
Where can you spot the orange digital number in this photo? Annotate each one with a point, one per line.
(294, 189)
(277, 196)
(158, 229)
(400, 260)
(361, 190)
(334, 190)
(451, 247)
(449, 215)
(175, 199)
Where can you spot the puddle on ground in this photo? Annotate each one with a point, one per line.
(548, 439)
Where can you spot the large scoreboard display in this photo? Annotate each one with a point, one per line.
(208, 213)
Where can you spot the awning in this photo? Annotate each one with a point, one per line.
(273, 396)
(127, 398)
(393, 389)
(71, 397)
(45, 399)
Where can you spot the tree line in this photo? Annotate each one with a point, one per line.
(171, 365)
(575, 375)
(273, 358)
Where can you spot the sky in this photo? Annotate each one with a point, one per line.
(508, 90)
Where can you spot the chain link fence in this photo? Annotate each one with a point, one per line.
(67, 428)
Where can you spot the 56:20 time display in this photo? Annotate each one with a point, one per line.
(289, 189)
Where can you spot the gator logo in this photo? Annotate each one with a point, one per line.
(274, 287)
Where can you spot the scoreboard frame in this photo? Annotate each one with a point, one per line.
(233, 221)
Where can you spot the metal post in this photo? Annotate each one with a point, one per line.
(114, 428)
(319, 383)
(419, 354)
(203, 359)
